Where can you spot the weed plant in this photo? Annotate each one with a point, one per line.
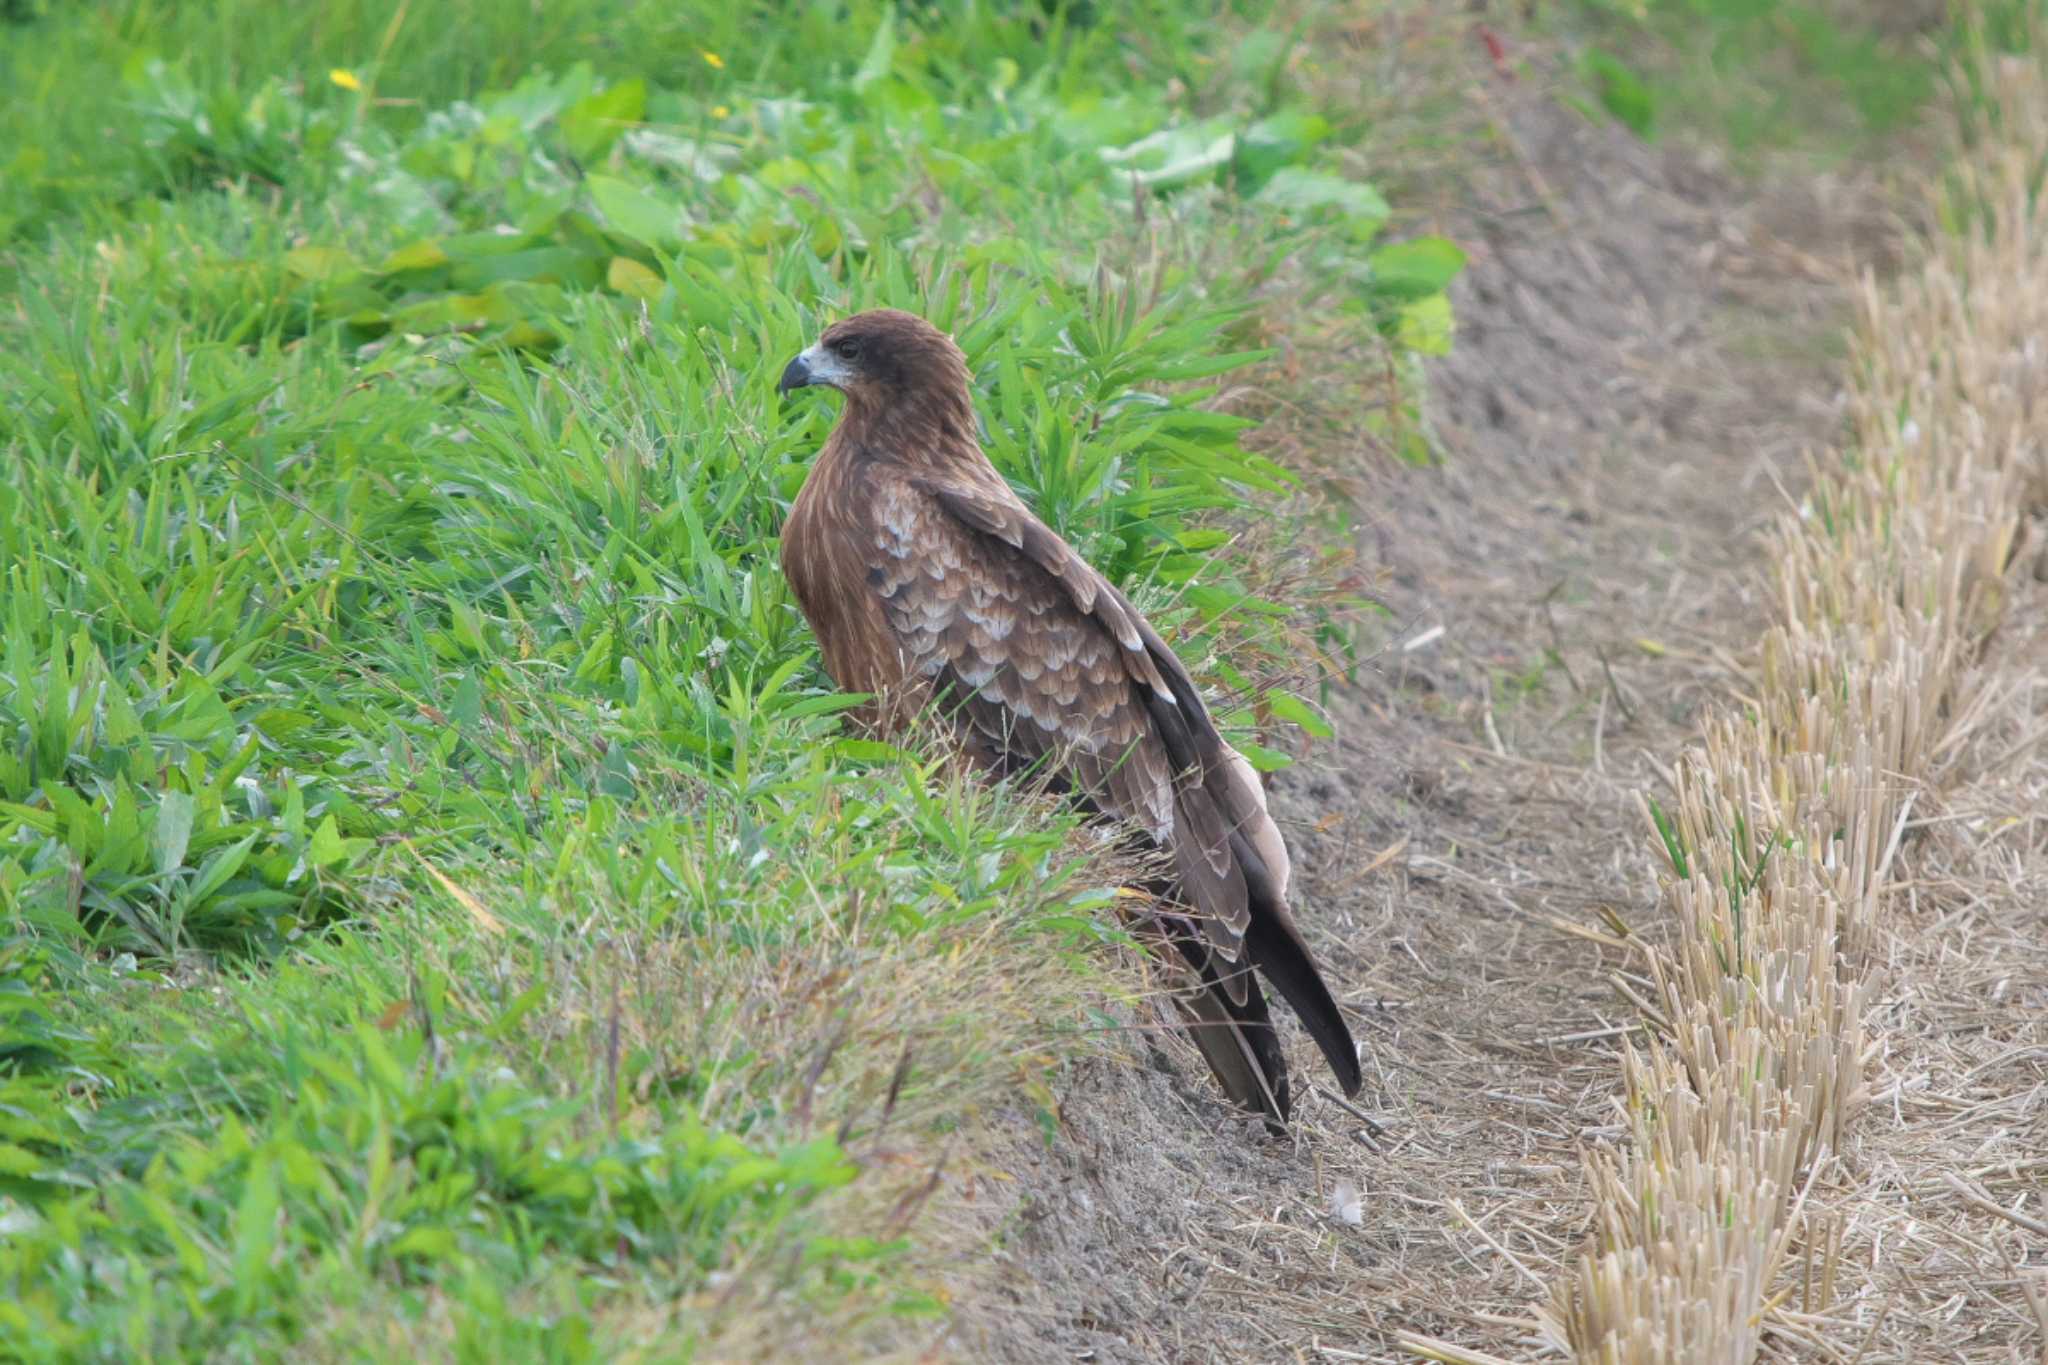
(439, 906)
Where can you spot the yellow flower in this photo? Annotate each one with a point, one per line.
(345, 79)
(720, 111)
(713, 60)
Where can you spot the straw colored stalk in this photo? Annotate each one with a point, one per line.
(1789, 816)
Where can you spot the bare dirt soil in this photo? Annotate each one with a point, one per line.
(1645, 348)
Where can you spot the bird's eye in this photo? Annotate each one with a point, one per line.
(846, 350)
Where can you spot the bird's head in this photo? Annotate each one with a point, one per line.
(882, 360)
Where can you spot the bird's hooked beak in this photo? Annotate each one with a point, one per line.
(815, 366)
(795, 375)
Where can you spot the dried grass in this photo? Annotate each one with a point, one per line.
(1872, 701)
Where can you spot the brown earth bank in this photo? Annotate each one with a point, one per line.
(1645, 348)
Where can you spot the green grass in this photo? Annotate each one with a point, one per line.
(439, 908)
(1821, 81)
(1819, 85)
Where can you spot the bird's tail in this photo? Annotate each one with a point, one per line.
(1237, 1040)
(1237, 1037)
(1274, 947)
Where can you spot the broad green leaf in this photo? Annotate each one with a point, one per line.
(1294, 189)
(1287, 706)
(540, 265)
(465, 247)
(1415, 269)
(1426, 325)
(467, 706)
(321, 264)
(431, 1242)
(34, 817)
(628, 276)
(1261, 758)
(172, 832)
(1093, 120)
(1622, 92)
(881, 52)
(871, 751)
(637, 215)
(592, 124)
(327, 846)
(421, 255)
(1274, 143)
(459, 311)
(900, 99)
(1176, 156)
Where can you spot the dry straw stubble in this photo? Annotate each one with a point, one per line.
(1788, 816)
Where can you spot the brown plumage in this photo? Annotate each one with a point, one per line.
(929, 582)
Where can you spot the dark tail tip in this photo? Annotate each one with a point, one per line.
(1238, 1042)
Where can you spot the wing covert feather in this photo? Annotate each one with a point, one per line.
(1046, 667)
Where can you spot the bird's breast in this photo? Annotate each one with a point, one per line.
(829, 558)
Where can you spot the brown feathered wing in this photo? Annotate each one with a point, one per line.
(1044, 667)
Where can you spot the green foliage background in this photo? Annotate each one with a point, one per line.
(1827, 83)
(391, 635)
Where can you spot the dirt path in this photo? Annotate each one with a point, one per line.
(1642, 355)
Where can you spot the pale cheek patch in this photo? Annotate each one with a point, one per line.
(826, 368)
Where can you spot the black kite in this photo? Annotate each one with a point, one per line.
(928, 581)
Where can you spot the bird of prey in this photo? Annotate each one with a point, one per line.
(931, 586)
